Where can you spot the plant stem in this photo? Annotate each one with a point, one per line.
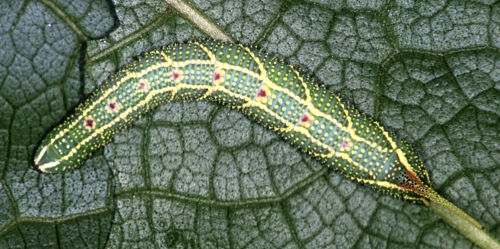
(467, 228)
(200, 20)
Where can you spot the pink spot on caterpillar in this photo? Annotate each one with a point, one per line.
(304, 118)
(176, 75)
(261, 93)
(345, 144)
(89, 123)
(216, 76)
(143, 85)
(112, 105)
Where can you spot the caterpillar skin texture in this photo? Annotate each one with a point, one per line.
(266, 90)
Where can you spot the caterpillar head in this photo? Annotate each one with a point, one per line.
(47, 160)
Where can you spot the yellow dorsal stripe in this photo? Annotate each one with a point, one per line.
(209, 53)
(130, 75)
(383, 184)
(268, 83)
(127, 112)
(182, 86)
(399, 152)
(304, 85)
(307, 102)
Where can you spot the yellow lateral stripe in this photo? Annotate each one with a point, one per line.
(181, 86)
(311, 108)
(399, 152)
(383, 184)
(213, 60)
(262, 77)
(209, 53)
(130, 75)
(268, 83)
(124, 114)
(304, 84)
(388, 185)
(302, 130)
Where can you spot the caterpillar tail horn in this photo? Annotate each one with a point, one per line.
(432, 196)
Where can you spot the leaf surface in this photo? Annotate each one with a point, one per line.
(196, 175)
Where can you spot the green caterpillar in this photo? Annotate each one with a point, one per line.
(268, 91)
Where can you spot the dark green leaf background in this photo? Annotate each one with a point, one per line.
(195, 175)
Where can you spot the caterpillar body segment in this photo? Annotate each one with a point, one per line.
(274, 94)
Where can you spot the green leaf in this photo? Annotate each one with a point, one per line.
(196, 175)
(40, 81)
